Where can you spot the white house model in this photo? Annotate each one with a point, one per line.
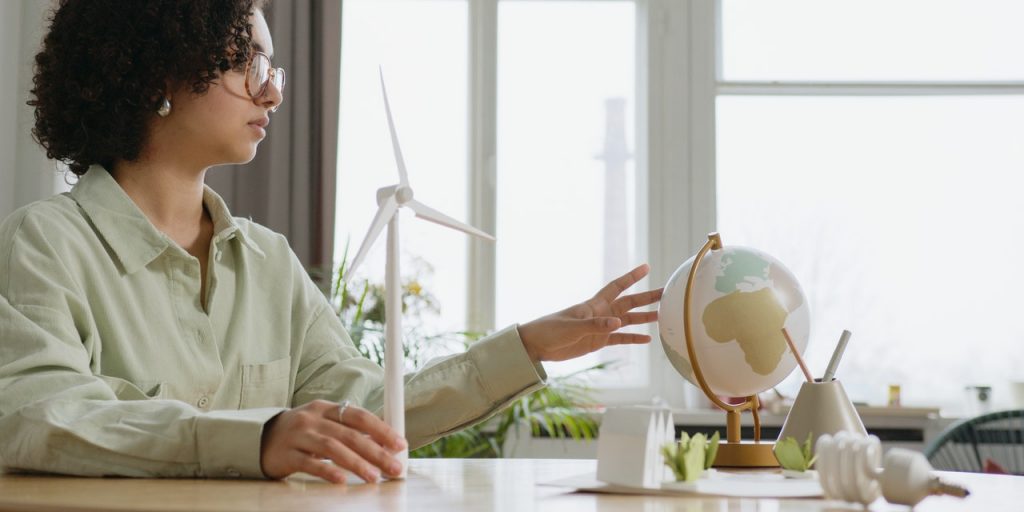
(629, 446)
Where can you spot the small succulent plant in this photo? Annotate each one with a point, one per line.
(690, 456)
(794, 457)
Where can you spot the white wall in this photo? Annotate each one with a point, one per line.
(25, 173)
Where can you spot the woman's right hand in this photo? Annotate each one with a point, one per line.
(297, 439)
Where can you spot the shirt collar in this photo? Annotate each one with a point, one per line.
(127, 231)
(224, 225)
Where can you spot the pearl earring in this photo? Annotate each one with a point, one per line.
(165, 108)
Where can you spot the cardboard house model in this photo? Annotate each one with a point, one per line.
(629, 446)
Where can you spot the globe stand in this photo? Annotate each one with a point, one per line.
(734, 452)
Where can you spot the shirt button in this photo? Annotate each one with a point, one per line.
(203, 402)
(233, 473)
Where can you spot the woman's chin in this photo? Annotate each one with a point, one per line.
(245, 155)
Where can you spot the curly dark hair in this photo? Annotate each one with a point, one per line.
(105, 65)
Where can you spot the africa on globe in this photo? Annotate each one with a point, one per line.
(741, 299)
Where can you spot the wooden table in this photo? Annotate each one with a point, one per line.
(437, 484)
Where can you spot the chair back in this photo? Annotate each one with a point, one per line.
(971, 444)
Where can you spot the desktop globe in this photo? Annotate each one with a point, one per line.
(741, 299)
(725, 309)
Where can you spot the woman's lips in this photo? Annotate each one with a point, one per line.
(259, 126)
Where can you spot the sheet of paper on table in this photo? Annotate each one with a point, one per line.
(718, 483)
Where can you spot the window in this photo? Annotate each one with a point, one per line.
(871, 146)
(565, 171)
(885, 172)
(421, 46)
(546, 124)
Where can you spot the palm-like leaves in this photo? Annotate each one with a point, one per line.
(560, 410)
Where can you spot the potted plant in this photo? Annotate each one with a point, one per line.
(563, 409)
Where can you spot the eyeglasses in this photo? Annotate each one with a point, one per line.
(259, 73)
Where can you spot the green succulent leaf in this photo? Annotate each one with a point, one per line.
(787, 452)
(690, 456)
(670, 452)
(712, 451)
(695, 455)
(791, 455)
(807, 449)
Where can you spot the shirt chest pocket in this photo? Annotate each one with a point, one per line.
(266, 384)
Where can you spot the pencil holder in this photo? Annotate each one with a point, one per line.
(821, 408)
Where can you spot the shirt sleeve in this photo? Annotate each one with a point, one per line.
(58, 415)
(448, 394)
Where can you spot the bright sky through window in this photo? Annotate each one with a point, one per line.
(555, 95)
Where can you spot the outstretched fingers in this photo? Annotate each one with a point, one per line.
(636, 300)
(615, 288)
(643, 317)
(627, 338)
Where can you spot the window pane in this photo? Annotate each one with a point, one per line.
(903, 220)
(566, 221)
(422, 47)
(870, 40)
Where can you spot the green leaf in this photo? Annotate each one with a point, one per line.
(807, 448)
(670, 452)
(787, 452)
(689, 457)
(712, 452)
(791, 455)
(695, 455)
(684, 442)
(563, 409)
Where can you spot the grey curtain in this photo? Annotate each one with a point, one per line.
(290, 185)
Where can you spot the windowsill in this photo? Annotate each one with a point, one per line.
(870, 415)
(906, 427)
(903, 427)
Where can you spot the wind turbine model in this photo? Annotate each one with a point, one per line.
(389, 200)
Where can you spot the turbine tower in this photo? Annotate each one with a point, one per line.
(389, 200)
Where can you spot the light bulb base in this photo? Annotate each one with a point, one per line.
(939, 487)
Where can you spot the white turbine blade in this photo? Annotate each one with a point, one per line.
(403, 177)
(381, 219)
(425, 212)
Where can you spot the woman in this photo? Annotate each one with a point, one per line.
(146, 332)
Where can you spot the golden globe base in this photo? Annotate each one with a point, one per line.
(746, 454)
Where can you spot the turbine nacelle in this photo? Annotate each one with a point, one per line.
(402, 194)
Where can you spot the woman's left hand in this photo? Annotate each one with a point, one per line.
(591, 325)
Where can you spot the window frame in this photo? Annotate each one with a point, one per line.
(679, 78)
(820, 88)
(669, 36)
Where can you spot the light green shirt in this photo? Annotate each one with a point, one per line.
(111, 365)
